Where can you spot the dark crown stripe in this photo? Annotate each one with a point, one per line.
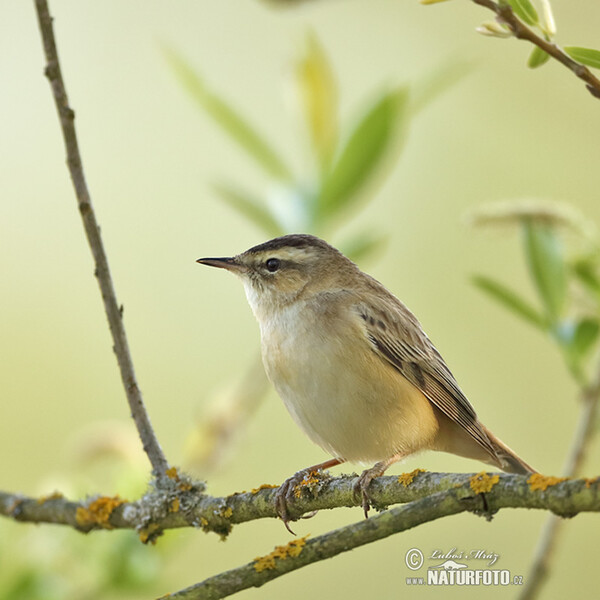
(295, 240)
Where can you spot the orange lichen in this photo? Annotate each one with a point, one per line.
(98, 511)
(309, 480)
(172, 473)
(407, 478)
(591, 481)
(53, 496)
(185, 486)
(291, 549)
(264, 486)
(150, 533)
(174, 507)
(539, 482)
(226, 512)
(482, 482)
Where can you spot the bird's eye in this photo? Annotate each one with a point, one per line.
(273, 264)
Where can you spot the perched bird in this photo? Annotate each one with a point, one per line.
(353, 365)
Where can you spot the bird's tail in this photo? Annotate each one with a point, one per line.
(509, 461)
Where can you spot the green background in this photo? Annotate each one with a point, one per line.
(503, 132)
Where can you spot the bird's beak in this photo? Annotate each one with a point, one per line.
(231, 264)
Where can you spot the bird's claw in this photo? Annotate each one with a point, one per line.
(285, 495)
(359, 489)
(363, 481)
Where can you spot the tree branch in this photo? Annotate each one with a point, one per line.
(183, 503)
(505, 13)
(512, 492)
(102, 272)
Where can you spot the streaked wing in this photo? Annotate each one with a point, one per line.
(396, 335)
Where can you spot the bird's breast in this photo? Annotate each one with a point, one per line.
(337, 389)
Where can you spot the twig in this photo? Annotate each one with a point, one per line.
(102, 272)
(522, 32)
(552, 527)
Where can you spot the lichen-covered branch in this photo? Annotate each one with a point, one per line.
(512, 491)
(519, 30)
(102, 271)
(182, 503)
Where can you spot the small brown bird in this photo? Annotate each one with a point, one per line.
(353, 365)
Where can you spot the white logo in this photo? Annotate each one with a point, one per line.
(451, 572)
(414, 559)
(449, 565)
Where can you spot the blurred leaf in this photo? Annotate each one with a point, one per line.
(586, 56)
(228, 118)
(525, 11)
(319, 96)
(362, 246)
(546, 264)
(510, 300)
(585, 336)
(537, 58)
(250, 207)
(586, 271)
(363, 152)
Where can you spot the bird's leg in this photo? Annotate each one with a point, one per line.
(285, 493)
(364, 480)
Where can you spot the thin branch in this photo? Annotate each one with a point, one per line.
(102, 272)
(505, 13)
(544, 553)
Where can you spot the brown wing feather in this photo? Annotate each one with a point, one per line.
(397, 337)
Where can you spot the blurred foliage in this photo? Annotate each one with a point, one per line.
(58, 563)
(567, 287)
(345, 160)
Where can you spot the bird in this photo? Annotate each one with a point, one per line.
(353, 365)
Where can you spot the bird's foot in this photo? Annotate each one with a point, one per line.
(288, 492)
(361, 485)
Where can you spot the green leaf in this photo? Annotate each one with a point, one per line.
(537, 58)
(585, 336)
(249, 207)
(525, 10)
(319, 96)
(510, 300)
(586, 56)
(363, 152)
(227, 117)
(544, 254)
